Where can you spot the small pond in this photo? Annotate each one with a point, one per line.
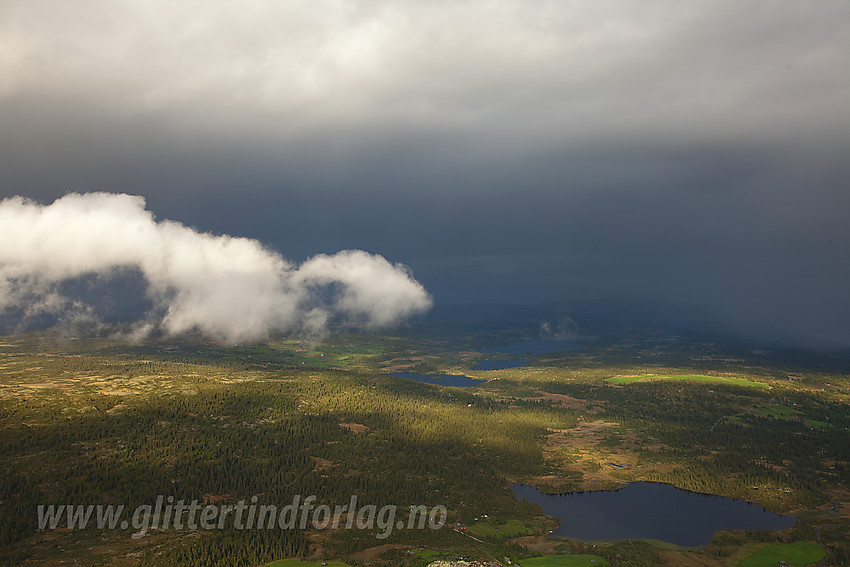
(455, 380)
(650, 510)
(541, 346)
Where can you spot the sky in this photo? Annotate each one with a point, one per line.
(691, 154)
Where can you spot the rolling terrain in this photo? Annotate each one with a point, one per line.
(94, 421)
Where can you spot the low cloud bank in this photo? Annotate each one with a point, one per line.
(230, 289)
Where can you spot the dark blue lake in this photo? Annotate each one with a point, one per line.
(541, 346)
(455, 380)
(498, 364)
(650, 510)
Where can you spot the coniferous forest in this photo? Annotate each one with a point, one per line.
(94, 421)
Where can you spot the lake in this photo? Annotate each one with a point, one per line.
(542, 346)
(650, 510)
(454, 380)
(499, 364)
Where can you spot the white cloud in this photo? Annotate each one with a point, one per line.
(231, 289)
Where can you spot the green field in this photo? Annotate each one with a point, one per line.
(817, 423)
(778, 411)
(510, 528)
(688, 378)
(301, 563)
(796, 554)
(563, 561)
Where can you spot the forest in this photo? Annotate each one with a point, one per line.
(95, 421)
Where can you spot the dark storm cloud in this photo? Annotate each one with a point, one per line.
(693, 152)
